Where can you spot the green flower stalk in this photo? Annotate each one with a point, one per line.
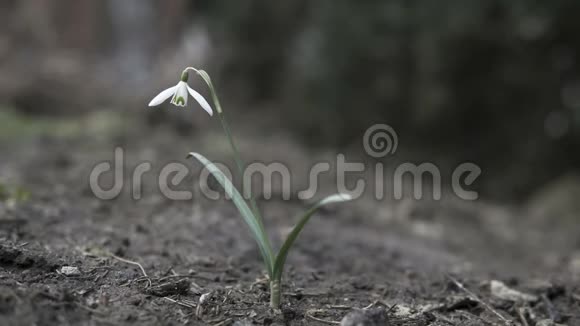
(274, 263)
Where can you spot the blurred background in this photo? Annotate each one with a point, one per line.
(495, 82)
(492, 82)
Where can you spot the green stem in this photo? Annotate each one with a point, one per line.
(239, 163)
(237, 158)
(275, 294)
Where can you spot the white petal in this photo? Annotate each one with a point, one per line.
(201, 100)
(163, 96)
(180, 96)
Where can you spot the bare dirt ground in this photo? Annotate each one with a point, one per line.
(68, 258)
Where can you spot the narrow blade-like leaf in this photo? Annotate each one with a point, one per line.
(283, 253)
(256, 228)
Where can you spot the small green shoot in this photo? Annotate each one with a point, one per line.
(274, 263)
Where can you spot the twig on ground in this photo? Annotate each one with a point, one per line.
(340, 307)
(391, 308)
(133, 263)
(522, 317)
(304, 294)
(476, 298)
(223, 322)
(374, 303)
(443, 318)
(181, 303)
(310, 314)
(100, 276)
(550, 308)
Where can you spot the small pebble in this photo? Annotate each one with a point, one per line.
(69, 271)
(204, 297)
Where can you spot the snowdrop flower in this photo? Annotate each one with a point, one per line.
(179, 94)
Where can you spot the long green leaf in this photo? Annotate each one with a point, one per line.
(256, 227)
(283, 253)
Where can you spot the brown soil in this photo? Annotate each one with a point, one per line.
(429, 264)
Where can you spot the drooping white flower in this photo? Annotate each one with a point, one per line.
(179, 94)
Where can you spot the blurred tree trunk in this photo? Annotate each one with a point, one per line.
(81, 23)
(173, 16)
